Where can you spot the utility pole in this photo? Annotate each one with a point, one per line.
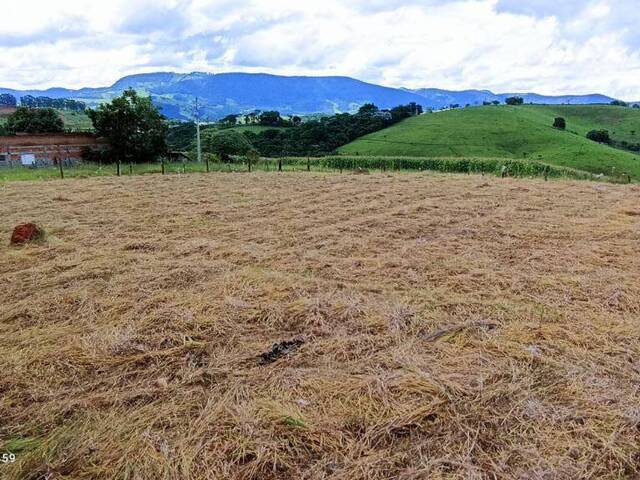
(197, 115)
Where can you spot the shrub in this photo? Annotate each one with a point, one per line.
(514, 101)
(225, 143)
(600, 136)
(619, 103)
(560, 123)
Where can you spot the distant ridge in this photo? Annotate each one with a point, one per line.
(438, 98)
(227, 93)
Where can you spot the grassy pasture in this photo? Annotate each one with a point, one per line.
(85, 170)
(498, 132)
(622, 123)
(453, 327)
(76, 121)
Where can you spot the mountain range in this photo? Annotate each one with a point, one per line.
(230, 93)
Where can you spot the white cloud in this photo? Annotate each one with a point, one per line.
(505, 45)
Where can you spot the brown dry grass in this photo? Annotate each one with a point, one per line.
(455, 327)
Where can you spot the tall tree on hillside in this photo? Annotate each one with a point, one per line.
(133, 127)
(35, 120)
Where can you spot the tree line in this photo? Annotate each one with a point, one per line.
(325, 135)
(269, 118)
(30, 101)
(287, 136)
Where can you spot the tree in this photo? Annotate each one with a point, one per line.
(251, 118)
(496, 102)
(619, 103)
(225, 143)
(405, 111)
(271, 119)
(47, 102)
(636, 105)
(132, 126)
(368, 109)
(514, 101)
(7, 100)
(600, 136)
(31, 120)
(229, 120)
(560, 123)
(28, 101)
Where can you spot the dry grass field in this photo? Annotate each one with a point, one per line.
(448, 327)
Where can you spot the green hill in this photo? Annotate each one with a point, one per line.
(623, 123)
(510, 132)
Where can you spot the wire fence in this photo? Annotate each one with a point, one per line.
(476, 166)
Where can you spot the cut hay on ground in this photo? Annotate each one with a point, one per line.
(438, 327)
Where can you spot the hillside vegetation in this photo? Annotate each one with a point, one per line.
(623, 123)
(522, 132)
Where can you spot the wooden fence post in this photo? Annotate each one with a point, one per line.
(61, 171)
(118, 166)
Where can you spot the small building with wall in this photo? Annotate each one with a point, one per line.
(46, 149)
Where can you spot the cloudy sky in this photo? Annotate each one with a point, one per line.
(548, 46)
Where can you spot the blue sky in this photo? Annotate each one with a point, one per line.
(546, 46)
